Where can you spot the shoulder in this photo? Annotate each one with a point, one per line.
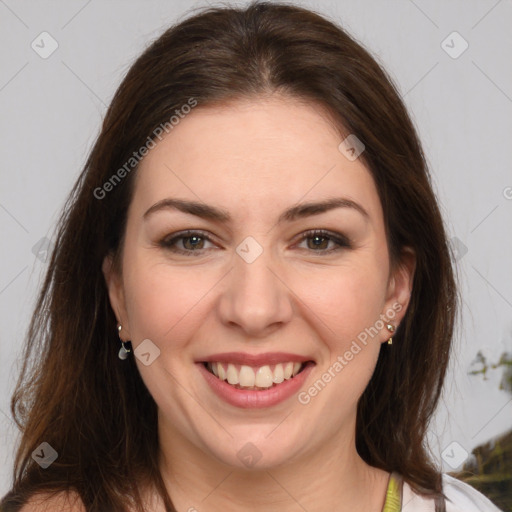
(68, 501)
(464, 497)
(461, 497)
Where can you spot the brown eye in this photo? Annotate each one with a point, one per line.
(320, 241)
(186, 242)
(193, 242)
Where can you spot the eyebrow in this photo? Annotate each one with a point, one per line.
(302, 210)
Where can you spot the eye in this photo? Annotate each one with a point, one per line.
(318, 240)
(193, 242)
(190, 242)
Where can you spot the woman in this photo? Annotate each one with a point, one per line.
(251, 301)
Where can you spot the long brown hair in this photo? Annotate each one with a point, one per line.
(94, 410)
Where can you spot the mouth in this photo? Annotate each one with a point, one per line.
(255, 381)
(256, 378)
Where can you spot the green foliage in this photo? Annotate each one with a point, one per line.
(490, 471)
(504, 362)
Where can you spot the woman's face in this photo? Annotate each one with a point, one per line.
(227, 277)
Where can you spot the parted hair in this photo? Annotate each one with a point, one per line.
(73, 391)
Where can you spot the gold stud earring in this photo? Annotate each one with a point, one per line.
(391, 328)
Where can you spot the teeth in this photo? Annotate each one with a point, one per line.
(263, 377)
(232, 374)
(220, 370)
(278, 374)
(288, 370)
(248, 377)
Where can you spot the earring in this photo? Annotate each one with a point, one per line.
(123, 351)
(391, 328)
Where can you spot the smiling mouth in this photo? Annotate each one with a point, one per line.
(256, 378)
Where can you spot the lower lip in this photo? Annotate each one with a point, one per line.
(255, 399)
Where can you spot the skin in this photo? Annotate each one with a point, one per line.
(255, 158)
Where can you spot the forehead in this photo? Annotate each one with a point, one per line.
(254, 154)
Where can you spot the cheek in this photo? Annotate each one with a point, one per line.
(158, 297)
(347, 299)
(345, 307)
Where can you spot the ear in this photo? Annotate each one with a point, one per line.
(399, 290)
(116, 295)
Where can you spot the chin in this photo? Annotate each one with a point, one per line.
(253, 451)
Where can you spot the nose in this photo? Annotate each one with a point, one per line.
(255, 298)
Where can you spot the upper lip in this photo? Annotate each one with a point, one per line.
(267, 358)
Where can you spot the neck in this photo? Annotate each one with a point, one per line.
(331, 477)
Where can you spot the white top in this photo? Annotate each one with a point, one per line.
(461, 498)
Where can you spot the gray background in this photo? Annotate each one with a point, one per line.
(51, 110)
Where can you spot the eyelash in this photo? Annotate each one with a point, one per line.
(341, 241)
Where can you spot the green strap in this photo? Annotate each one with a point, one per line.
(393, 501)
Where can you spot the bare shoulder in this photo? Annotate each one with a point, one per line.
(69, 501)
